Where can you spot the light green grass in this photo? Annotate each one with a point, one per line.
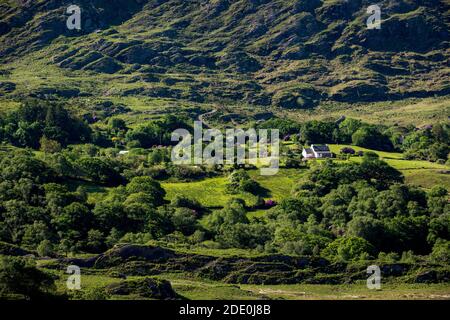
(205, 290)
(336, 148)
(281, 184)
(357, 291)
(427, 179)
(211, 192)
(256, 214)
(416, 111)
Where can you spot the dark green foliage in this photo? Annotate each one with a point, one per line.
(20, 279)
(145, 288)
(428, 144)
(441, 252)
(348, 248)
(22, 165)
(346, 212)
(407, 233)
(183, 202)
(346, 130)
(37, 118)
(240, 181)
(185, 220)
(234, 212)
(317, 132)
(242, 235)
(369, 228)
(156, 133)
(185, 172)
(99, 170)
(285, 126)
(328, 175)
(148, 186)
(75, 216)
(367, 201)
(158, 156)
(370, 137)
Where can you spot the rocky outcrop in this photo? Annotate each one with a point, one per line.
(360, 91)
(137, 260)
(144, 288)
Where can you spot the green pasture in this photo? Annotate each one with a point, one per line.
(211, 192)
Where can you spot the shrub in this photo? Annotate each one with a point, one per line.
(45, 248)
(441, 251)
(20, 277)
(348, 249)
(347, 150)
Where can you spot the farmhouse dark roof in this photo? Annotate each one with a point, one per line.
(320, 148)
(308, 151)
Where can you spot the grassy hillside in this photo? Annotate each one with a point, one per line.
(286, 55)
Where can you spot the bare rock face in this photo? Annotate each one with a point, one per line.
(32, 24)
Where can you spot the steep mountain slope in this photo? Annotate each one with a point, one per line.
(286, 53)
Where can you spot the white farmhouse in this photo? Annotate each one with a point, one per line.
(317, 152)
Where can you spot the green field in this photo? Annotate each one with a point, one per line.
(211, 192)
(383, 154)
(352, 292)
